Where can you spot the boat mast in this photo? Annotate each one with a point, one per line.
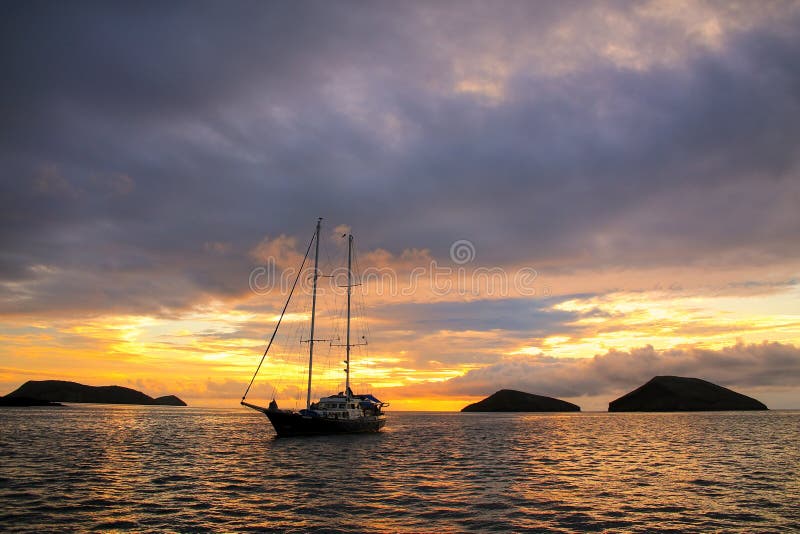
(349, 291)
(313, 311)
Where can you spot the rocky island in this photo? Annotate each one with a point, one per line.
(681, 394)
(52, 391)
(509, 400)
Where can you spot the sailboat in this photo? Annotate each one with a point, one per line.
(342, 413)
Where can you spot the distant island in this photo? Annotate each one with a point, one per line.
(509, 400)
(54, 391)
(681, 394)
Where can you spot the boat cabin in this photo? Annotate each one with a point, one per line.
(343, 407)
(339, 407)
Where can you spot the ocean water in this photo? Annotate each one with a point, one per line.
(146, 468)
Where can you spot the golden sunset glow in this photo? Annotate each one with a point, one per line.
(208, 355)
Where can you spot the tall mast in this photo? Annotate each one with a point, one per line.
(283, 312)
(313, 312)
(349, 291)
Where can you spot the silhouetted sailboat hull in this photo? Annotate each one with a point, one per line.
(295, 424)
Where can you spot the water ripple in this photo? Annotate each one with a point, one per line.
(149, 469)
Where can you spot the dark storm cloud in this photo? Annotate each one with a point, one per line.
(146, 148)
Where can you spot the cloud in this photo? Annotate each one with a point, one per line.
(773, 365)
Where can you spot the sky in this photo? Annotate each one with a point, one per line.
(565, 198)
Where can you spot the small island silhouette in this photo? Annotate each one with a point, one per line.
(682, 394)
(51, 392)
(509, 400)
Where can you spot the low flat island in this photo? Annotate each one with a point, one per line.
(18, 402)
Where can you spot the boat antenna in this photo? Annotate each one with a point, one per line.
(313, 311)
(283, 312)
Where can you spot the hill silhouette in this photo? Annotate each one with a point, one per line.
(63, 391)
(682, 394)
(509, 400)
